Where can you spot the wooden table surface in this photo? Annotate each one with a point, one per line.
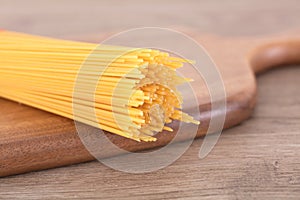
(260, 159)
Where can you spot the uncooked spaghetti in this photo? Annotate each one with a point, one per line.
(135, 96)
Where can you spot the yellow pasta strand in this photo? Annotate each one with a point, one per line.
(134, 94)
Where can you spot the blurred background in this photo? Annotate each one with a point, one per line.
(71, 17)
(256, 160)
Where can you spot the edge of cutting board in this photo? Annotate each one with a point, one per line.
(31, 139)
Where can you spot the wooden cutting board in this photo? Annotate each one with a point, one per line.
(31, 139)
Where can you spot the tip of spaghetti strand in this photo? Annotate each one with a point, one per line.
(189, 61)
(166, 128)
(196, 122)
(188, 79)
(177, 59)
(148, 139)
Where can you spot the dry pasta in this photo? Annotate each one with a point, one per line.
(135, 94)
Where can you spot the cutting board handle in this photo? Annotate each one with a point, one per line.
(275, 53)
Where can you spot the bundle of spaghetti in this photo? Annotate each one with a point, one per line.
(134, 90)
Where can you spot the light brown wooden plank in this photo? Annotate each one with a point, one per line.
(248, 153)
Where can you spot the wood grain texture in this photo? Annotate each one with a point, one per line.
(258, 159)
(33, 140)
